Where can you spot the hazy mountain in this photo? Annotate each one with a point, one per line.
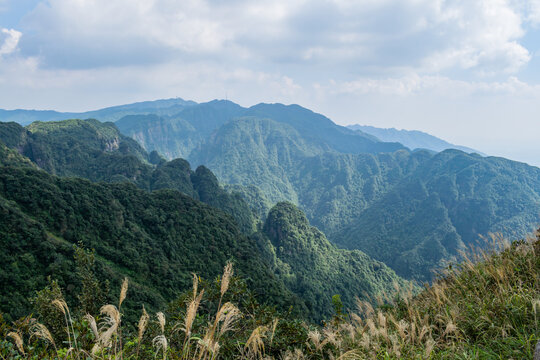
(160, 107)
(186, 132)
(178, 135)
(413, 139)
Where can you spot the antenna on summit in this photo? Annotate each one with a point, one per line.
(226, 98)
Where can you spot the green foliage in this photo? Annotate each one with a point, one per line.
(443, 206)
(92, 293)
(49, 314)
(486, 308)
(155, 238)
(98, 152)
(314, 269)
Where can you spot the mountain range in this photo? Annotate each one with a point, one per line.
(413, 139)
(160, 107)
(413, 210)
(77, 183)
(355, 188)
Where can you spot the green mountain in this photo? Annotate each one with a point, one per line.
(157, 239)
(358, 190)
(260, 152)
(443, 206)
(178, 135)
(183, 134)
(318, 129)
(98, 152)
(314, 269)
(136, 207)
(413, 139)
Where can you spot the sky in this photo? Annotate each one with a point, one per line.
(467, 71)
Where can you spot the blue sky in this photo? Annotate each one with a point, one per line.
(466, 71)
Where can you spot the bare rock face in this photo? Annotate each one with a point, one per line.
(537, 351)
(112, 145)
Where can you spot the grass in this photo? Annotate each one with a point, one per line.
(487, 307)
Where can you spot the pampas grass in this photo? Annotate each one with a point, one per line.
(18, 341)
(486, 307)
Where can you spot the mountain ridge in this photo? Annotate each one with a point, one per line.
(413, 139)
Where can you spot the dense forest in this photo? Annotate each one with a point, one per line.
(331, 233)
(413, 210)
(146, 221)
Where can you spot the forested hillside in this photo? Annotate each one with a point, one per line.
(156, 239)
(98, 152)
(142, 227)
(357, 190)
(316, 270)
(442, 206)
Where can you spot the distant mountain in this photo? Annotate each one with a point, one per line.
(160, 107)
(180, 134)
(413, 139)
(186, 132)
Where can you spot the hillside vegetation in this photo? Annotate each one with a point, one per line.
(315, 270)
(98, 152)
(486, 308)
(157, 239)
(164, 233)
(413, 211)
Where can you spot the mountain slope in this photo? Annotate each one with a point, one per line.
(157, 239)
(316, 270)
(357, 198)
(413, 139)
(253, 151)
(184, 133)
(412, 211)
(444, 205)
(98, 152)
(178, 135)
(319, 129)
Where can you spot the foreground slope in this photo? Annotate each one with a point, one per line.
(486, 308)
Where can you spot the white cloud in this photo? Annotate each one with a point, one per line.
(9, 39)
(426, 36)
(414, 84)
